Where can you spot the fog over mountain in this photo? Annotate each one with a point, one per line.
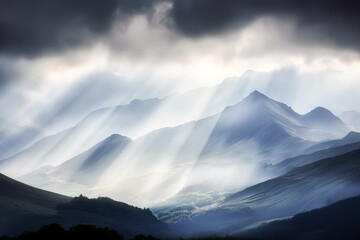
(219, 116)
(351, 118)
(304, 188)
(218, 153)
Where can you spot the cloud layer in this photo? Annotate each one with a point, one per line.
(335, 21)
(33, 27)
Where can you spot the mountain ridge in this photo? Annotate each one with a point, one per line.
(254, 132)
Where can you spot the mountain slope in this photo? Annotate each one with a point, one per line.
(18, 200)
(23, 207)
(256, 117)
(343, 168)
(352, 137)
(274, 126)
(83, 170)
(221, 152)
(135, 119)
(18, 197)
(322, 119)
(96, 126)
(337, 221)
(52, 150)
(311, 186)
(337, 147)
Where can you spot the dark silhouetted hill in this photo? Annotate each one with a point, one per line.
(337, 221)
(24, 208)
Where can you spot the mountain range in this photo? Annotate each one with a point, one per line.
(256, 132)
(133, 119)
(226, 169)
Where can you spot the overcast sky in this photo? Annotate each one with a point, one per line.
(87, 54)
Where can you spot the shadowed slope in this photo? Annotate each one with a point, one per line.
(23, 207)
(337, 221)
(337, 147)
(311, 186)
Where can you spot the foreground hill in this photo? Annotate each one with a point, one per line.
(23, 207)
(337, 221)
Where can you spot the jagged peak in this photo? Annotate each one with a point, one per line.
(257, 102)
(256, 96)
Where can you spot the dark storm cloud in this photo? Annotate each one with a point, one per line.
(337, 21)
(31, 27)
